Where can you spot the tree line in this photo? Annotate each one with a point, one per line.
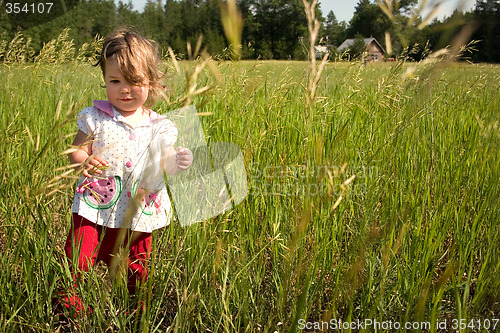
(273, 29)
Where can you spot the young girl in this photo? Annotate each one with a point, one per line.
(118, 200)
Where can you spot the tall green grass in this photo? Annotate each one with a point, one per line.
(414, 236)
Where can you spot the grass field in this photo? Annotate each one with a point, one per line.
(413, 237)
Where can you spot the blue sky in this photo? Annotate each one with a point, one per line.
(344, 9)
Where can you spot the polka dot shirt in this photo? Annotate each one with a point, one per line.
(131, 192)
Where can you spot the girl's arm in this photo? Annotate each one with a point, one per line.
(176, 161)
(83, 156)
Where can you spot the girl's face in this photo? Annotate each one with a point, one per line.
(124, 96)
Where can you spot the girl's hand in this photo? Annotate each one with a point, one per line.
(183, 158)
(81, 156)
(94, 164)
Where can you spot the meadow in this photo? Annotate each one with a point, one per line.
(376, 200)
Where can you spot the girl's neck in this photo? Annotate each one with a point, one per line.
(135, 117)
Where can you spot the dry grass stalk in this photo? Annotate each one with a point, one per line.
(232, 22)
(90, 52)
(192, 89)
(58, 50)
(17, 51)
(313, 25)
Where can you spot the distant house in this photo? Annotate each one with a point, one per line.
(374, 52)
(321, 50)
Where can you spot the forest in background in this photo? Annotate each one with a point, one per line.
(273, 29)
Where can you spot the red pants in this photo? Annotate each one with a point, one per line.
(93, 245)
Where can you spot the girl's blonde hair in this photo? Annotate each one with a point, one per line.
(137, 59)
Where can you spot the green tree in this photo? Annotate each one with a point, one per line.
(102, 14)
(334, 31)
(250, 28)
(173, 30)
(192, 19)
(153, 22)
(487, 17)
(369, 21)
(85, 20)
(280, 25)
(211, 26)
(357, 48)
(127, 15)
